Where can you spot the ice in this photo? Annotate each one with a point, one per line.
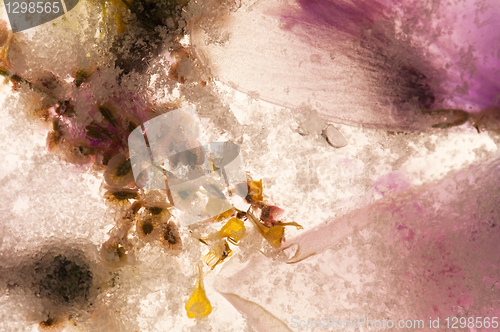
(430, 257)
(151, 293)
(396, 224)
(334, 137)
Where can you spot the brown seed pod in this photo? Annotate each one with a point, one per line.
(119, 174)
(170, 237)
(120, 197)
(81, 76)
(55, 137)
(159, 211)
(108, 114)
(147, 229)
(78, 152)
(114, 254)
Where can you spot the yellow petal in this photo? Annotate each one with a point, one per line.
(223, 215)
(274, 235)
(255, 190)
(198, 306)
(217, 255)
(234, 229)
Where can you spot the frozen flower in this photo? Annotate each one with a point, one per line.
(270, 214)
(357, 62)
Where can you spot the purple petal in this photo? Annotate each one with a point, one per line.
(367, 63)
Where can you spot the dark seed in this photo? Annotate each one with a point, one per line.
(95, 132)
(122, 195)
(118, 174)
(147, 228)
(155, 210)
(106, 113)
(81, 76)
(265, 213)
(124, 168)
(169, 236)
(249, 198)
(50, 324)
(47, 323)
(120, 251)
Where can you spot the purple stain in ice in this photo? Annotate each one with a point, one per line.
(405, 233)
(390, 183)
